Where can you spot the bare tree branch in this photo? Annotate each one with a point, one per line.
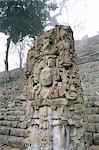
(53, 20)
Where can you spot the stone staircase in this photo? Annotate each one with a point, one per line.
(13, 125)
(87, 51)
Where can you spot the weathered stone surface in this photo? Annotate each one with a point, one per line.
(88, 60)
(92, 111)
(94, 147)
(12, 129)
(97, 127)
(18, 132)
(88, 139)
(93, 118)
(12, 141)
(96, 103)
(87, 51)
(96, 138)
(53, 92)
(90, 127)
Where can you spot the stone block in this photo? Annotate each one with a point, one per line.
(3, 139)
(18, 132)
(96, 138)
(97, 127)
(14, 124)
(6, 123)
(93, 118)
(94, 147)
(92, 110)
(90, 127)
(4, 130)
(1, 117)
(18, 113)
(15, 141)
(88, 138)
(89, 104)
(96, 103)
(22, 118)
(11, 118)
(22, 125)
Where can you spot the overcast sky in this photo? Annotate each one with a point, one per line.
(81, 16)
(82, 12)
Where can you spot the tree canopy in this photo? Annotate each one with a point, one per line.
(19, 18)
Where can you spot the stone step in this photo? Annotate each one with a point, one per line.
(92, 128)
(12, 117)
(5, 147)
(13, 141)
(7, 107)
(13, 131)
(93, 118)
(14, 124)
(15, 112)
(92, 110)
(4, 110)
(96, 138)
(94, 147)
(12, 112)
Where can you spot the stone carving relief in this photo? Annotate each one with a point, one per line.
(54, 93)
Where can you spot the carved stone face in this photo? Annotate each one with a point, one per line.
(46, 77)
(51, 62)
(36, 77)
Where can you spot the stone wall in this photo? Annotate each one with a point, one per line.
(53, 91)
(13, 123)
(88, 58)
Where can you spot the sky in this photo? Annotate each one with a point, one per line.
(83, 13)
(93, 19)
(82, 16)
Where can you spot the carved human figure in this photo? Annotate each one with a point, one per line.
(48, 78)
(72, 92)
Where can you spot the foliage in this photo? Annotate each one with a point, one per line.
(19, 18)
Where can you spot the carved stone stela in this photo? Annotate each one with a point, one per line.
(53, 91)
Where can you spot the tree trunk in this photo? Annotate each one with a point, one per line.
(7, 74)
(20, 51)
(20, 56)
